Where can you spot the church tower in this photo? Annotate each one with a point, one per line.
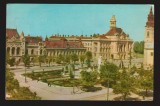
(113, 22)
(149, 41)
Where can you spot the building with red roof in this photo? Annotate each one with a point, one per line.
(112, 45)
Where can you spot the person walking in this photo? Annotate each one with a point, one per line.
(38, 79)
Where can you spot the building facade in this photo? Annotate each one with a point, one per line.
(15, 44)
(149, 42)
(114, 44)
(19, 45)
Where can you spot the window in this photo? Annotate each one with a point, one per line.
(26, 51)
(151, 53)
(13, 51)
(18, 51)
(32, 51)
(8, 50)
(148, 34)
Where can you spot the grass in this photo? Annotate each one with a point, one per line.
(44, 75)
(53, 77)
(66, 82)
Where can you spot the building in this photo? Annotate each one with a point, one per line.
(15, 44)
(60, 45)
(149, 42)
(114, 44)
(18, 45)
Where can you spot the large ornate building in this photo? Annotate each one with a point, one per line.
(111, 45)
(18, 45)
(149, 42)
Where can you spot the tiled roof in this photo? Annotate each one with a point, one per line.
(63, 44)
(101, 36)
(11, 32)
(33, 40)
(114, 31)
(55, 37)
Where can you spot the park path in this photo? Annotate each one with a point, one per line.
(54, 92)
(61, 93)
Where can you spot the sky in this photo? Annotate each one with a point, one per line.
(76, 19)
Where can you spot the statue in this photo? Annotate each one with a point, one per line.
(99, 63)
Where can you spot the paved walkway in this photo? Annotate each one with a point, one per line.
(60, 93)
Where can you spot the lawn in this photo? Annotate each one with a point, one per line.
(44, 75)
(53, 77)
(66, 82)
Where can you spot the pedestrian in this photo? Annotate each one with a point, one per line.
(38, 79)
(143, 97)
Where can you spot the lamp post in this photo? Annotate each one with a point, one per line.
(108, 88)
(25, 74)
(130, 58)
(25, 63)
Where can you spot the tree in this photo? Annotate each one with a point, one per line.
(52, 59)
(139, 47)
(108, 73)
(40, 60)
(17, 63)
(67, 58)
(82, 58)
(146, 80)
(17, 93)
(26, 61)
(35, 59)
(49, 58)
(88, 57)
(59, 59)
(11, 83)
(124, 85)
(88, 78)
(74, 57)
(11, 61)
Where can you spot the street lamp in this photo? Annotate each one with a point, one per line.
(24, 60)
(25, 74)
(108, 88)
(130, 58)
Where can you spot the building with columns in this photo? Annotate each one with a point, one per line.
(114, 44)
(18, 45)
(149, 42)
(15, 43)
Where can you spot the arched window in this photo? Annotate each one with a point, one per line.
(26, 51)
(148, 34)
(41, 52)
(8, 50)
(32, 51)
(18, 50)
(13, 51)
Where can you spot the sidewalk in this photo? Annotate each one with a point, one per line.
(61, 93)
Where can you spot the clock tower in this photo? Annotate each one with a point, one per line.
(149, 42)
